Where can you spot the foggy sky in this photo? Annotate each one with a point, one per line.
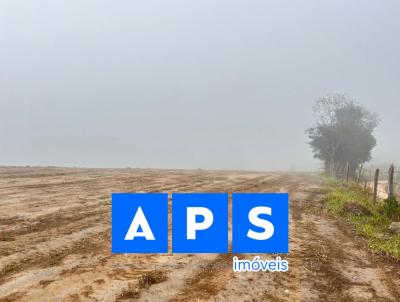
(189, 84)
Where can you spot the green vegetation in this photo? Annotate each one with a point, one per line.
(342, 134)
(354, 205)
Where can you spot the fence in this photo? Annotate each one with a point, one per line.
(381, 183)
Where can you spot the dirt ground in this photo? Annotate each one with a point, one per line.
(55, 243)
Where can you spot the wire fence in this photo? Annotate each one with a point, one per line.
(381, 183)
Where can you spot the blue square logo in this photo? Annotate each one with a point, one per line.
(200, 222)
(260, 223)
(139, 223)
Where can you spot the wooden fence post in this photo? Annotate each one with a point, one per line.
(391, 182)
(375, 186)
(360, 171)
(347, 172)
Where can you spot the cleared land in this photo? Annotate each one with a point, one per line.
(55, 243)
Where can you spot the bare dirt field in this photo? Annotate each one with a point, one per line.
(55, 243)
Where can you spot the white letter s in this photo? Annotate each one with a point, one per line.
(262, 223)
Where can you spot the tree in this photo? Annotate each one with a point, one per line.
(342, 133)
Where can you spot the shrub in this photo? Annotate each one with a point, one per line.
(390, 208)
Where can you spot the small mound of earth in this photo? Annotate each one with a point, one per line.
(151, 278)
(360, 293)
(356, 209)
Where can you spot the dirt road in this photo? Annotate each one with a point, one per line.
(55, 243)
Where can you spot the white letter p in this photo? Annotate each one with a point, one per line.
(193, 226)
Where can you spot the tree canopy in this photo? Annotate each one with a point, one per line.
(342, 133)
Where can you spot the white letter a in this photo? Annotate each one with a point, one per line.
(139, 221)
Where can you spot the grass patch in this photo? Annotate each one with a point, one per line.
(370, 221)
